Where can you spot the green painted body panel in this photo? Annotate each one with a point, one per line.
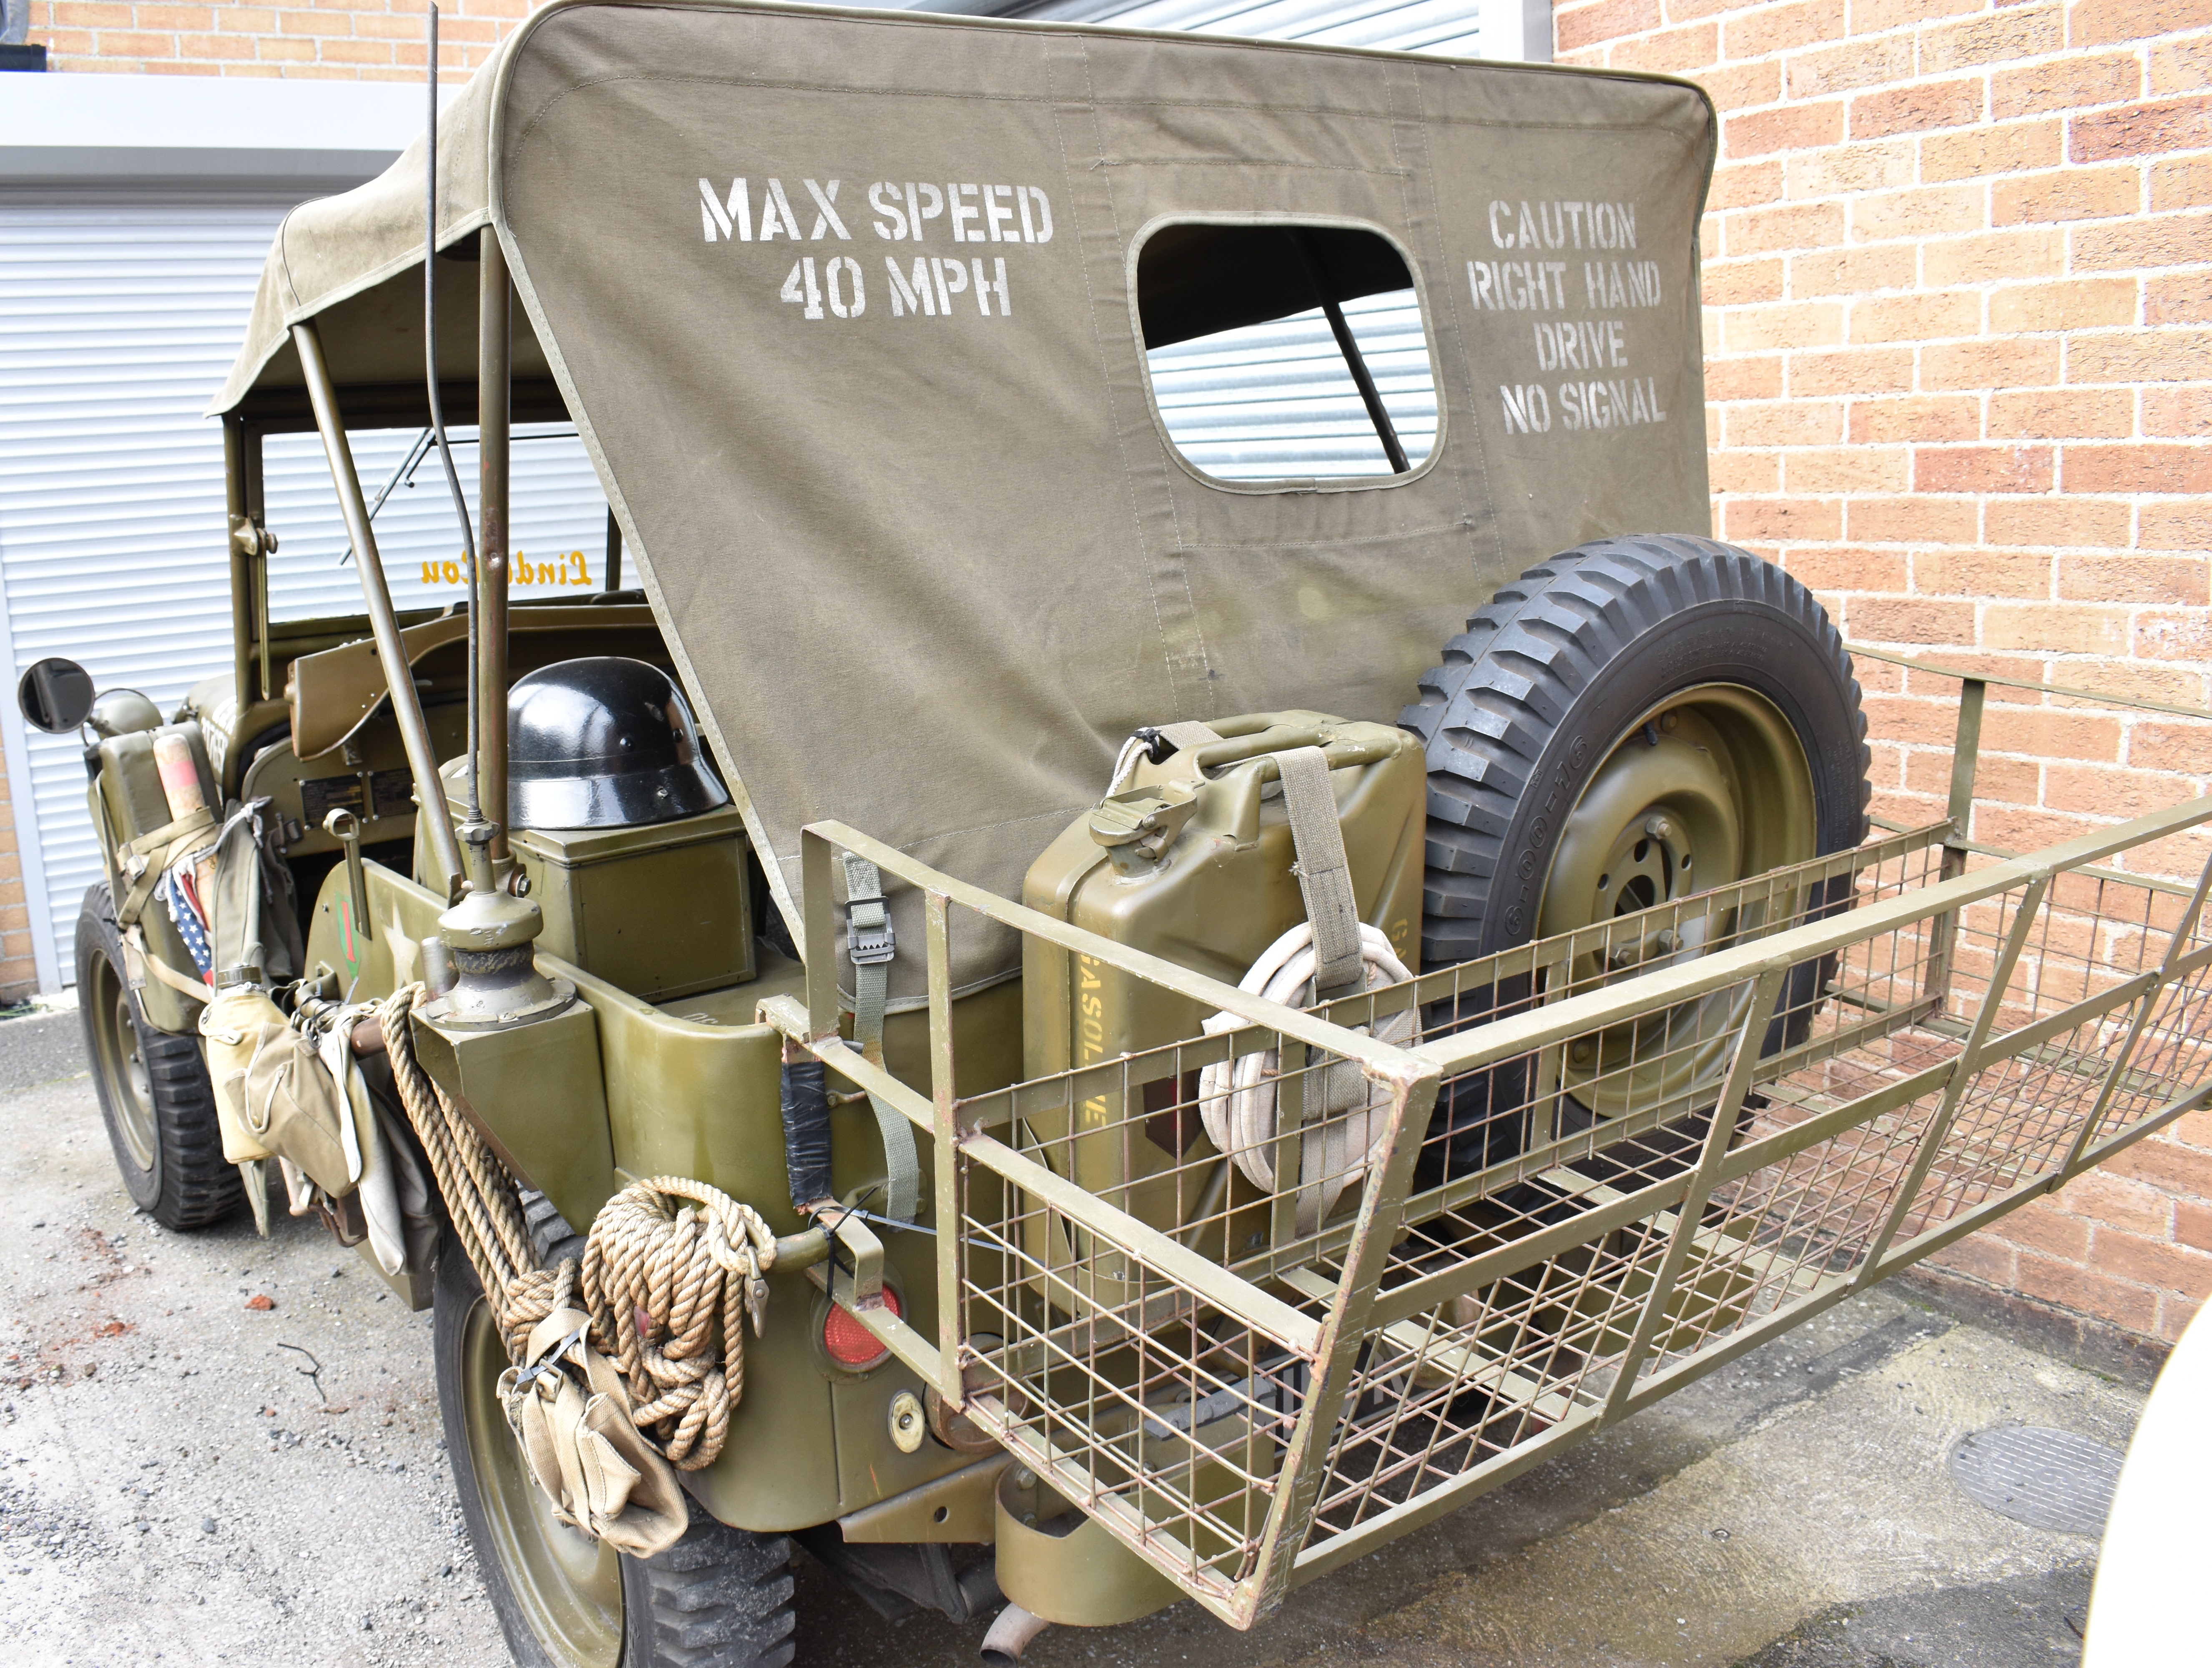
(656, 1093)
(539, 1092)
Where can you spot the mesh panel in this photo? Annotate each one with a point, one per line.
(1258, 1299)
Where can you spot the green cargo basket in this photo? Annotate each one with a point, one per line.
(1671, 1136)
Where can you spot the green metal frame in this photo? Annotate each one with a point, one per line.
(1353, 1308)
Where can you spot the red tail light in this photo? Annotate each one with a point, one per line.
(850, 1344)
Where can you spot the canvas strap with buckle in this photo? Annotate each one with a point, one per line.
(870, 944)
(140, 868)
(1324, 873)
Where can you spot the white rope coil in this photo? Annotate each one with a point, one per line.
(1345, 1114)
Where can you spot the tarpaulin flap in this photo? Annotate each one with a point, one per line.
(842, 304)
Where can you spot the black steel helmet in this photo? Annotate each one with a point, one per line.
(603, 742)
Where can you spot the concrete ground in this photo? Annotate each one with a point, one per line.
(186, 1480)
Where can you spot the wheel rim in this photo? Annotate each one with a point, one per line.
(122, 1065)
(1707, 787)
(567, 1586)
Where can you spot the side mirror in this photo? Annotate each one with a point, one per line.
(55, 696)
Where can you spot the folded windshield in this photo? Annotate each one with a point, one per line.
(559, 518)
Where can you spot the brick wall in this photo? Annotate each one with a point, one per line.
(19, 971)
(1958, 277)
(344, 39)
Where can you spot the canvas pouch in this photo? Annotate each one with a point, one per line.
(571, 1414)
(274, 1096)
(231, 1025)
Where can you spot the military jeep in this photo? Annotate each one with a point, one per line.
(1184, 811)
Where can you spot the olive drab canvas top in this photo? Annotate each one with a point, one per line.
(844, 306)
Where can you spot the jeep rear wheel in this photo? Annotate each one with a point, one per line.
(1633, 722)
(720, 1598)
(155, 1095)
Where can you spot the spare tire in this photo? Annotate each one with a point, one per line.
(1635, 719)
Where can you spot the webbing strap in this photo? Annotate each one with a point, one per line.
(145, 870)
(153, 839)
(1190, 732)
(870, 945)
(156, 968)
(1324, 872)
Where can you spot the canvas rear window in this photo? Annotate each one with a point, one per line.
(1286, 352)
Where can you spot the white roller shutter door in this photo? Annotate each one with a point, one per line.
(117, 325)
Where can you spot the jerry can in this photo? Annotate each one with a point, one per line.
(131, 782)
(1191, 859)
(128, 793)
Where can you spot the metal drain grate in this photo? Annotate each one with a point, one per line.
(2050, 1479)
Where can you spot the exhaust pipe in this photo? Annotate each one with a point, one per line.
(1011, 1630)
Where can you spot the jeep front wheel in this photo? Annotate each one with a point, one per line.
(720, 1598)
(155, 1095)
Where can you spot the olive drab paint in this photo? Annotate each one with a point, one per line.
(844, 436)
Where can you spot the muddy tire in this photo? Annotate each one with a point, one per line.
(1633, 684)
(155, 1095)
(720, 1598)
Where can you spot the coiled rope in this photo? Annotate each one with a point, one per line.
(1345, 1115)
(672, 1268)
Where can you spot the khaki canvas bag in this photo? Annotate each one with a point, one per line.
(232, 1025)
(582, 1446)
(274, 1096)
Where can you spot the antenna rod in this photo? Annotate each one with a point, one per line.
(438, 414)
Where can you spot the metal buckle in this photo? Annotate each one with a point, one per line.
(550, 1363)
(869, 943)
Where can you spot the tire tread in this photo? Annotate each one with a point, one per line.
(192, 1185)
(720, 1598)
(1507, 683)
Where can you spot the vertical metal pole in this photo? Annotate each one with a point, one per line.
(430, 371)
(391, 649)
(257, 511)
(494, 345)
(260, 570)
(944, 1099)
(234, 443)
(1283, 1224)
(1965, 759)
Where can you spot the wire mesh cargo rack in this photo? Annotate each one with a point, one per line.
(1520, 1198)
